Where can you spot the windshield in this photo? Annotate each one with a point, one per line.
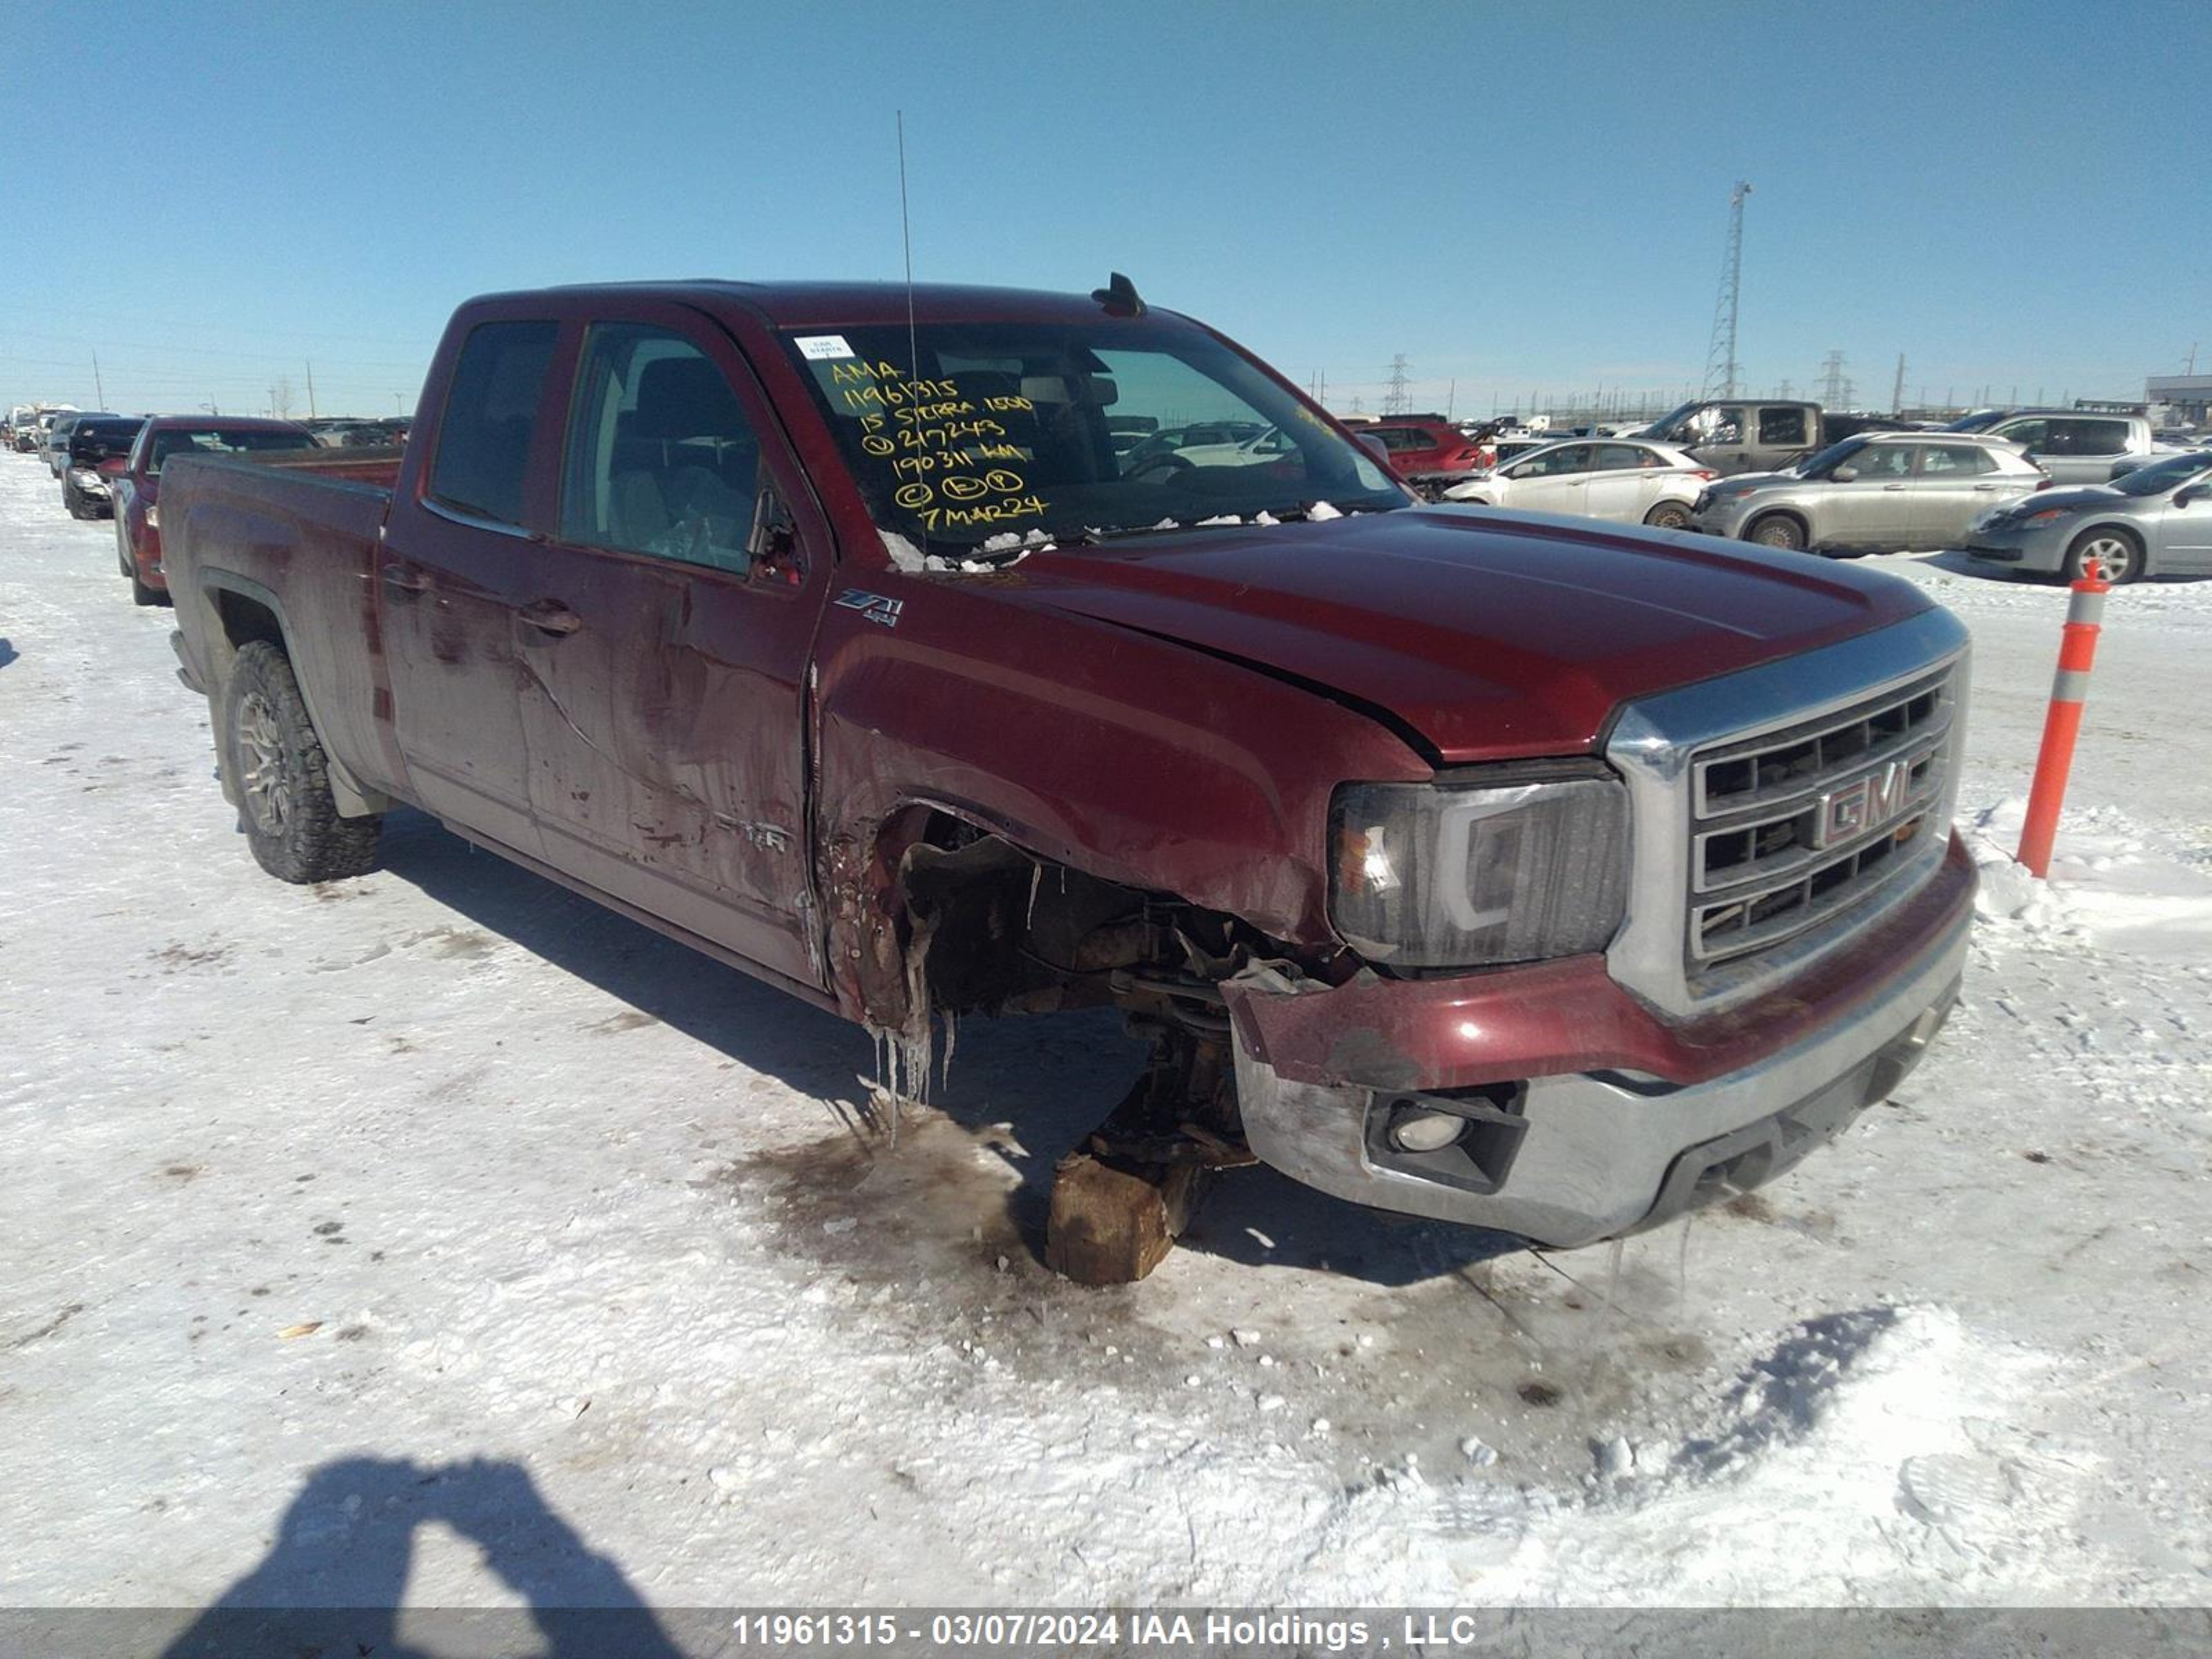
(1003, 429)
(1981, 420)
(2169, 474)
(214, 440)
(1826, 461)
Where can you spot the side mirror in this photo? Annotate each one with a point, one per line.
(2189, 493)
(1844, 474)
(1375, 447)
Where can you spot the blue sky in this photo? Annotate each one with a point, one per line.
(1518, 198)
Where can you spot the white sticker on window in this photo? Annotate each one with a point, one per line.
(817, 346)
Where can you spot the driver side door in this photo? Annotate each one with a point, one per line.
(1557, 482)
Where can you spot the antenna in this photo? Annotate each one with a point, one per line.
(906, 244)
(1722, 370)
(906, 241)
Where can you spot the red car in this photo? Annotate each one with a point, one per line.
(136, 486)
(1428, 446)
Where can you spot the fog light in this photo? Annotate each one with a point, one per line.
(1414, 1129)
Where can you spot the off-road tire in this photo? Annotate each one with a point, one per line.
(2110, 546)
(1668, 516)
(1777, 530)
(271, 754)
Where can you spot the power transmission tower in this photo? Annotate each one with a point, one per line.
(1836, 391)
(1395, 402)
(1721, 370)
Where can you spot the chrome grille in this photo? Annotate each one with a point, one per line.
(1790, 827)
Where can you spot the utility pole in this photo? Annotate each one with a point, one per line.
(100, 392)
(1722, 370)
(1451, 399)
(1394, 401)
(311, 389)
(1897, 391)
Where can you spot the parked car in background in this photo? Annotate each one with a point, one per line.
(2156, 522)
(2075, 447)
(1427, 450)
(18, 420)
(99, 448)
(1510, 447)
(1624, 479)
(1882, 492)
(55, 445)
(31, 439)
(137, 487)
(1751, 434)
(1453, 864)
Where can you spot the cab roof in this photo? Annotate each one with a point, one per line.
(819, 304)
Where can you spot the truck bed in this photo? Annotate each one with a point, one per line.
(293, 531)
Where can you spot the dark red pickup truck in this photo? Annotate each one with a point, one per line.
(1553, 879)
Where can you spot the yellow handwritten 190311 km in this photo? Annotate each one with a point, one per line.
(941, 444)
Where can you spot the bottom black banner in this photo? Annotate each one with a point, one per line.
(636, 1632)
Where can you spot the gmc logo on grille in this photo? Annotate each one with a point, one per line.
(1867, 803)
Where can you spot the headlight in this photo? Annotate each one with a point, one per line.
(85, 478)
(1466, 875)
(2048, 515)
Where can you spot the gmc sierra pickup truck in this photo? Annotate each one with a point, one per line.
(1519, 872)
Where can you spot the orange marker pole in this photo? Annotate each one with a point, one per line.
(2077, 652)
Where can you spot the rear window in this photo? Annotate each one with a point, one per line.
(491, 414)
(113, 436)
(1782, 426)
(172, 441)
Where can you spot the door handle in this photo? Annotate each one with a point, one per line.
(405, 579)
(549, 616)
(1888, 488)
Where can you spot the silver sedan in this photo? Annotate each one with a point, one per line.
(2155, 521)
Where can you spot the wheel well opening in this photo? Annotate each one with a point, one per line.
(984, 926)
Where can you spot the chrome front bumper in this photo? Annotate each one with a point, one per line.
(1604, 1153)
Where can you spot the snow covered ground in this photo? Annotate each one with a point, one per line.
(441, 1233)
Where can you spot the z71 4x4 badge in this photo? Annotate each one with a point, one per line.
(874, 606)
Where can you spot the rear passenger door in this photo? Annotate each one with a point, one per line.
(456, 562)
(1953, 484)
(665, 639)
(1622, 482)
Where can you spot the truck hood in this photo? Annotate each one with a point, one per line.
(1486, 635)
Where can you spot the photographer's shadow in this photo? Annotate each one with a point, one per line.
(336, 1579)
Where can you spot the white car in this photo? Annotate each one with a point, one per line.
(1629, 480)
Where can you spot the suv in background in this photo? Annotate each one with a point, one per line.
(99, 448)
(2073, 446)
(1428, 449)
(55, 446)
(1881, 492)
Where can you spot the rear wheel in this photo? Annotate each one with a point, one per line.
(271, 753)
(2117, 554)
(1777, 530)
(1668, 516)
